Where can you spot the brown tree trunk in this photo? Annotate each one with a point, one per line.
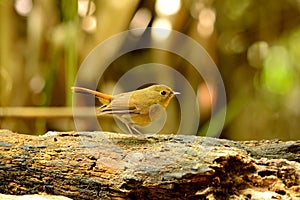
(97, 165)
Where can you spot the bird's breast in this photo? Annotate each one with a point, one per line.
(153, 113)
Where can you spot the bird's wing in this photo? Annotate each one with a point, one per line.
(121, 104)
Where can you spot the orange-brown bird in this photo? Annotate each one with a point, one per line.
(138, 107)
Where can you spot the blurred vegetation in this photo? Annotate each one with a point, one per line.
(255, 44)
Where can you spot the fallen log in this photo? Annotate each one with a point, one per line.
(102, 165)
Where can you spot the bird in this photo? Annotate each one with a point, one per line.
(135, 108)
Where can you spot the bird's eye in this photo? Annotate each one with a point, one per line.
(163, 92)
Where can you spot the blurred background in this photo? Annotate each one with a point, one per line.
(255, 45)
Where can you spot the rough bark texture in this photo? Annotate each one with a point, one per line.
(97, 165)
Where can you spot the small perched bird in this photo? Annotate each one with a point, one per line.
(138, 107)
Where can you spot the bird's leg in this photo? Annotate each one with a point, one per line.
(134, 129)
(130, 127)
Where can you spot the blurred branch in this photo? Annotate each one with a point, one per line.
(45, 112)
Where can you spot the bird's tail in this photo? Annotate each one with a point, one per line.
(103, 98)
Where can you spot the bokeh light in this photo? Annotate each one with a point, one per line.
(86, 8)
(37, 83)
(206, 22)
(278, 74)
(167, 7)
(163, 29)
(23, 7)
(89, 24)
(257, 53)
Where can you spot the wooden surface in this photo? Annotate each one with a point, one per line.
(97, 165)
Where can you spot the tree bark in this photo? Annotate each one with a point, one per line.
(100, 165)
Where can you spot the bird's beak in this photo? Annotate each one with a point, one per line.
(176, 93)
